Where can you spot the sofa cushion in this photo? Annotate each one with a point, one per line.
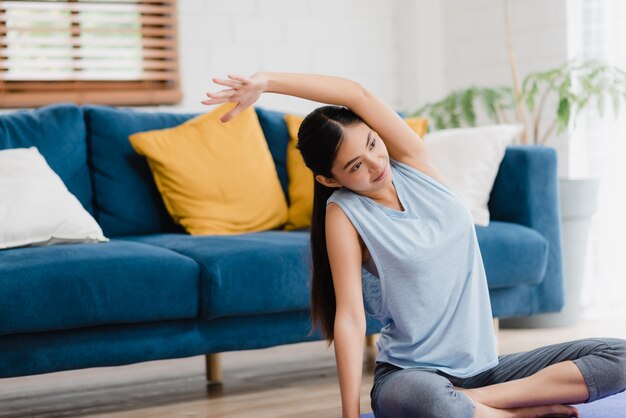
(58, 132)
(468, 159)
(126, 198)
(513, 254)
(36, 207)
(255, 273)
(72, 286)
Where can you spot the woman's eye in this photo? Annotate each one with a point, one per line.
(373, 142)
(356, 166)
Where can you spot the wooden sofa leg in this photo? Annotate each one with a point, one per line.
(213, 367)
(371, 350)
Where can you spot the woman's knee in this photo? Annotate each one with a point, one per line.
(617, 352)
(605, 369)
(420, 394)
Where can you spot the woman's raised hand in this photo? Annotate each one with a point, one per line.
(241, 90)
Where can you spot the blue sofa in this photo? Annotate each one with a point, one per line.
(154, 292)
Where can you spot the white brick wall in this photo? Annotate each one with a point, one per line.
(351, 38)
(474, 42)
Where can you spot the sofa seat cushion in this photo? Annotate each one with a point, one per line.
(513, 254)
(80, 285)
(254, 273)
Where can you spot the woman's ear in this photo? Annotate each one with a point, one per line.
(326, 181)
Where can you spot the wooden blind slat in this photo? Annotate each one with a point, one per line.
(50, 86)
(147, 43)
(137, 20)
(145, 9)
(88, 53)
(126, 97)
(145, 31)
(79, 76)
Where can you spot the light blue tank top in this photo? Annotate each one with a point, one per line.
(426, 281)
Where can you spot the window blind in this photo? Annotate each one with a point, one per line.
(121, 52)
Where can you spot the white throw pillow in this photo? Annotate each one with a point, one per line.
(35, 206)
(468, 160)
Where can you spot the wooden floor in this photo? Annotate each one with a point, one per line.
(289, 381)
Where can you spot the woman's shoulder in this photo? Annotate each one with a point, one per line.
(422, 169)
(340, 195)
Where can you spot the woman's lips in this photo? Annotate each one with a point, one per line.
(381, 174)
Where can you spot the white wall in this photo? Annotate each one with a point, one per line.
(475, 52)
(352, 38)
(421, 54)
(474, 42)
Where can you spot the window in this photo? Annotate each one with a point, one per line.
(121, 52)
(602, 153)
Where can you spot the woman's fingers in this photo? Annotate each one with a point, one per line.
(232, 113)
(228, 83)
(243, 80)
(214, 101)
(223, 93)
(220, 97)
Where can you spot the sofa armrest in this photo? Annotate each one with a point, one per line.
(526, 192)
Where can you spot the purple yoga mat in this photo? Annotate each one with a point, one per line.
(611, 407)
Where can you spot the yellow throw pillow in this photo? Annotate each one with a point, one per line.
(216, 178)
(301, 178)
(300, 186)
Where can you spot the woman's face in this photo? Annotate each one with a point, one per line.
(361, 158)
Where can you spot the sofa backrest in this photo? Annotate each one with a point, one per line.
(58, 132)
(126, 199)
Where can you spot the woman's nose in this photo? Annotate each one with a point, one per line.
(374, 165)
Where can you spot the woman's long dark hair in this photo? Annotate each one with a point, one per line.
(319, 137)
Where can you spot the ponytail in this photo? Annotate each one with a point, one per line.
(319, 137)
(323, 302)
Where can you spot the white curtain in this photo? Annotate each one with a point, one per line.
(601, 152)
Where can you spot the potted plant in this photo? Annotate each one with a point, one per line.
(546, 103)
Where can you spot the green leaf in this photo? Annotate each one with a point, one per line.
(451, 108)
(488, 98)
(530, 95)
(467, 106)
(563, 114)
(439, 122)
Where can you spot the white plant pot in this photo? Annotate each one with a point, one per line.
(578, 199)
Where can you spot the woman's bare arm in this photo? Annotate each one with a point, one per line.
(402, 143)
(344, 253)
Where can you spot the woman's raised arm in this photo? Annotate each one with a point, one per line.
(402, 143)
(320, 88)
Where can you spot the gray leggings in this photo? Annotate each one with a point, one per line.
(411, 393)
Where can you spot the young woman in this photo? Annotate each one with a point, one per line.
(388, 237)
